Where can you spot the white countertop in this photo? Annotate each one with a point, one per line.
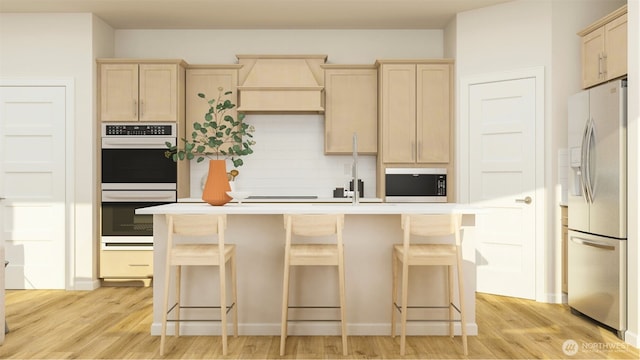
(275, 199)
(311, 208)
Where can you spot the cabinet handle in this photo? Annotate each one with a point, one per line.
(139, 265)
(604, 65)
(413, 151)
(599, 65)
(135, 108)
(141, 108)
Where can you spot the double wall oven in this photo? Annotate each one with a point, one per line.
(135, 173)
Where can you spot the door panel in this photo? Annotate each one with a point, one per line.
(32, 179)
(399, 113)
(502, 175)
(608, 161)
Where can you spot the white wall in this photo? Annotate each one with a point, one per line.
(529, 33)
(293, 164)
(221, 46)
(55, 46)
(543, 33)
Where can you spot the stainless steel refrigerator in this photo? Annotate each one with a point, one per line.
(597, 197)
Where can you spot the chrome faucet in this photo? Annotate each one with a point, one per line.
(355, 199)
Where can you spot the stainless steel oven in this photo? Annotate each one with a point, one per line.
(416, 185)
(135, 173)
(122, 228)
(133, 157)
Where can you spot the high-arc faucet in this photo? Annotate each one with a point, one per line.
(355, 199)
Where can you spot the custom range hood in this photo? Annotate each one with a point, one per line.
(281, 83)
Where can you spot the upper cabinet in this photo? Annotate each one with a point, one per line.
(141, 90)
(415, 112)
(351, 106)
(208, 79)
(604, 49)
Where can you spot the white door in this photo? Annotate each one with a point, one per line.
(502, 158)
(32, 181)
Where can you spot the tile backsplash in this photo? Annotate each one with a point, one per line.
(289, 159)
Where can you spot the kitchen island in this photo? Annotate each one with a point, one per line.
(370, 230)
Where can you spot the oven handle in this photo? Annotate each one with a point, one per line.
(137, 143)
(138, 196)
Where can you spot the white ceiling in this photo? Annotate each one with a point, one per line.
(260, 14)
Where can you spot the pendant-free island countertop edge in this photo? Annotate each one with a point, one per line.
(312, 208)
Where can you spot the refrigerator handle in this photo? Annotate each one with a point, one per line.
(583, 162)
(587, 175)
(593, 244)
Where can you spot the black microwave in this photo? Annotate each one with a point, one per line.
(415, 185)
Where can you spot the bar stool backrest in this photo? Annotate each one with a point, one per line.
(314, 225)
(196, 224)
(431, 225)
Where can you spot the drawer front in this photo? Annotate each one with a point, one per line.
(126, 264)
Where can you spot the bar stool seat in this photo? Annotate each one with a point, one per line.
(184, 253)
(307, 225)
(408, 254)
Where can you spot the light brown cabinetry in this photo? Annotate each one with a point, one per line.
(351, 106)
(415, 109)
(207, 80)
(141, 91)
(415, 112)
(604, 49)
(126, 264)
(564, 216)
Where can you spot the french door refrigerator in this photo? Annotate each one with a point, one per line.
(597, 200)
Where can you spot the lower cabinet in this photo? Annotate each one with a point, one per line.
(126, 264)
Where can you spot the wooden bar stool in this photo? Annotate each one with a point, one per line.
(199, 254)
(428, 255)
(313, 255)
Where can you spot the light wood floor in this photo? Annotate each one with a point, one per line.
(114, 323)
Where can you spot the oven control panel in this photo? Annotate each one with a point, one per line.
(138, 130)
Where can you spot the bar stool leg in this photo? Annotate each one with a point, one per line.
(343, 304)
(165, 306)
(178, 289)
(450, 297)
(285, 305)
(463, 322)
(234, 293)
(403, 315)
(223, 304)
(394, 292)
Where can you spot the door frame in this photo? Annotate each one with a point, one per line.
(463, 151)
(70, 228)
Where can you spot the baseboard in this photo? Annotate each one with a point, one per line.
(315, 329)
(85, 284)
(555, 298)
(632, 339)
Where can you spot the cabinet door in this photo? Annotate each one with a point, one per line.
(398, 107)
(119, 92)
(158, 92)
(208, 81)
(592, 58)
(615, 34)
(351, 106)
(433, 114)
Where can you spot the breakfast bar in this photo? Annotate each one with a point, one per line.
(258, 232)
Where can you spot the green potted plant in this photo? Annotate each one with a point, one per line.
(218, 137)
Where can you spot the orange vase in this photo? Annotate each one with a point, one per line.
(217, 185)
